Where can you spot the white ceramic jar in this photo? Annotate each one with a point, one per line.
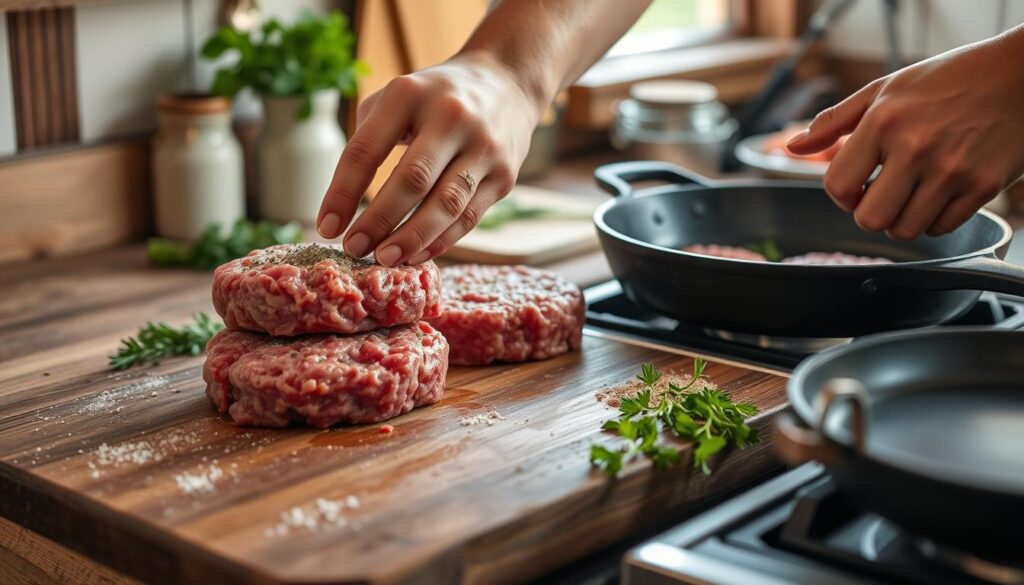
(297, 157)
(198, 172)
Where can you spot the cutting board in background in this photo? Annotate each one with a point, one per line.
(533, 241)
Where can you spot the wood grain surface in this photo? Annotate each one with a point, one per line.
(107, 464)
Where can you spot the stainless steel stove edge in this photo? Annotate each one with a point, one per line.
(668, 559)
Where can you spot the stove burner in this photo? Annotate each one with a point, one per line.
(800, 529)
(798, 345)
(991, 571)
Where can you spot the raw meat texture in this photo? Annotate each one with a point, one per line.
(297, 289)
(323, 380)
(508, 313)
(734, 252)
(834, 259)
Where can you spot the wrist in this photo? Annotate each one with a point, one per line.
(1009, 47)
(533, 82)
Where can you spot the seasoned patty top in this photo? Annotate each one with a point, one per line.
(305, 256)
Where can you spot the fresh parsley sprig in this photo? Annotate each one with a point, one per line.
(213, 249)
(706, 416)
(159, 340)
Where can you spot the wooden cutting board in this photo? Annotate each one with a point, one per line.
(136, 470)
(533, 241)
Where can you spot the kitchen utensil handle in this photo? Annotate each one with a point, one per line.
(617, 178)
(797, 443)
(976, 273)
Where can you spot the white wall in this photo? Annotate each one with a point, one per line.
(130, 51)
(926, 27)
(127, 54)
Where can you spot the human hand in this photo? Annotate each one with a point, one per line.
(468, 126)
(946, 131)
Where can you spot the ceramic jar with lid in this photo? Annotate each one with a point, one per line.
(675, 121)
(197, 166)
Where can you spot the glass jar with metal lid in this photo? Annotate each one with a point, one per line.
(675, 121)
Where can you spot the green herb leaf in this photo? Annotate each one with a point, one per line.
(159, 340)
(707, 416)
(706, 447)
(606, 459)
(632, 406)
(312, 54)
(212, 249)
(649, 375)
(768, 249)
(665, 457)
(508, 210)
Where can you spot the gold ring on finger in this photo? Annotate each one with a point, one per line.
(469, 178)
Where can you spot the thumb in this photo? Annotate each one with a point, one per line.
(835, 122)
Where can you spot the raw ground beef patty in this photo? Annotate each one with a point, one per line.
(325, 379)
(720, 251)
(508, 313)
(297, 289)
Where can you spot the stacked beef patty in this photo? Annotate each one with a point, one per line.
(316, 336)
(364, 354)
(508, 314)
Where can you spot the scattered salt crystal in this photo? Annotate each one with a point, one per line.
(490, 419)
(321, 514)
(108, 399)
(139, 453)
(203, 482)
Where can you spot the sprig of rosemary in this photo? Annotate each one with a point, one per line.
(706, 416)
(212, 249)
(159, 340)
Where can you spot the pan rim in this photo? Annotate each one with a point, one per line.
(893, 458)
(603, 227)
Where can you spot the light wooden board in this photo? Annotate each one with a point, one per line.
(440, 502)
(534, 241)
(71, 201)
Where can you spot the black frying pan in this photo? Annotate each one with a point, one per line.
(933, 280)
(930, 435)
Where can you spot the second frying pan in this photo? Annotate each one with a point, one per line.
(924, 427)
(933, 279)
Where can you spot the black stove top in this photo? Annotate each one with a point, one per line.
(609, 309)
(797, 528)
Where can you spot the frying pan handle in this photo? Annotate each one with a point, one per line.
(617, 178)
(797, 443)
(976, 273)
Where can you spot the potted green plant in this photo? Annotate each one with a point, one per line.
(300, 71)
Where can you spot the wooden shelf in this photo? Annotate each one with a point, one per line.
(737, 67)
(6, 5)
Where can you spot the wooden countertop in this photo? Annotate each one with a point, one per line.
(136, 472)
